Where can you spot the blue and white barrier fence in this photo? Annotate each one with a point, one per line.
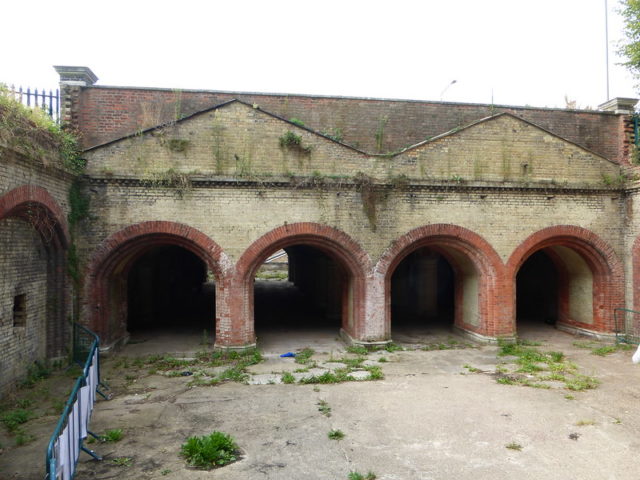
(73, 427)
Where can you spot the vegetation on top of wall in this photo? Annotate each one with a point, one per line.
(297, 121)
(22, 126)
(335, 134)
(171, 178)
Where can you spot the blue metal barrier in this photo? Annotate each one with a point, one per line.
(73, 427)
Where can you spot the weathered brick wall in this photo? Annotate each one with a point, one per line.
(486, 195)
(23, 263)
(240, 141)
(108, 113)
(33, 241)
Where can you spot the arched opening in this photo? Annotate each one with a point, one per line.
(302, 294)
(464, 277)
(169, 287)
(434, 288)
(574, 272)
(324, 263)
(422, 291)
(153, 275)
(537, 292)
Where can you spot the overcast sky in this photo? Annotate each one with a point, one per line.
(519, 52)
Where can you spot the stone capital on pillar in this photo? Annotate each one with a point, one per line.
(80, 76)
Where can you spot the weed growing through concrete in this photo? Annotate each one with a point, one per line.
(359, 476)
(111, 436)
(514, 446)
(288, 377)
(335, 434)
(324, 408)
(471, 369)
(237, 363)
(122, 461)
(534, 367)
(210, 451)
(304, 356)
(585, 423)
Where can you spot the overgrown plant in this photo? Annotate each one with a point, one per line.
(294, 142)
(210, 451)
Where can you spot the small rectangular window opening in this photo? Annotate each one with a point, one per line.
(20, 310)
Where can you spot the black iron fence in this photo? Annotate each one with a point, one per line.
(49, 102)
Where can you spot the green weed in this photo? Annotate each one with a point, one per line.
(304, 356)
(335, 435)
(122, 461)
(112, 436)
(214, 450)
(514, 446)
(13, 419)
(288, 377)
(359, 476)
(324, 408)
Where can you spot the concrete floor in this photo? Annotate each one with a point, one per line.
(430, 418)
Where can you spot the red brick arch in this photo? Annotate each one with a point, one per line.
(115, 256)
(335, 243)
(444, 237)
(607, 270)
(21, 200)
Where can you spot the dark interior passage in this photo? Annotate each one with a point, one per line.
(168, 287)
(422, 290)
(537, 290)
(308, 296)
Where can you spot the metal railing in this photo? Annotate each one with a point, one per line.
(48, 102)
(627, 325)
(67, 440)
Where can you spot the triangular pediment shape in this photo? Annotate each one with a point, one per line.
(506, 148)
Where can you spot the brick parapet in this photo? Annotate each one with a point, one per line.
(108, 113)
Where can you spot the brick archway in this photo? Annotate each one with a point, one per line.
(37, 207)
(605, 267)
(458, 245)
(334, 243)
(105, 297)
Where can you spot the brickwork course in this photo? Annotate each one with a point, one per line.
(233, 177)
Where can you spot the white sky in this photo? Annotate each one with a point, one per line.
(521, 52)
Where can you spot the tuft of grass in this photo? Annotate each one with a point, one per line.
(585, 423)
(582, 382)
(359, 476)
(335, 434)
(112, 436)
(324, 408)
(357, 349)
(210, 451)
(23, 439)
(288, 377)
(122, 461)
(14, 418)
(304, 356)
(506, 381)
(513, 446)
(471, 369)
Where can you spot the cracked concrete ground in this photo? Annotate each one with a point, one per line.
(429, 418)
